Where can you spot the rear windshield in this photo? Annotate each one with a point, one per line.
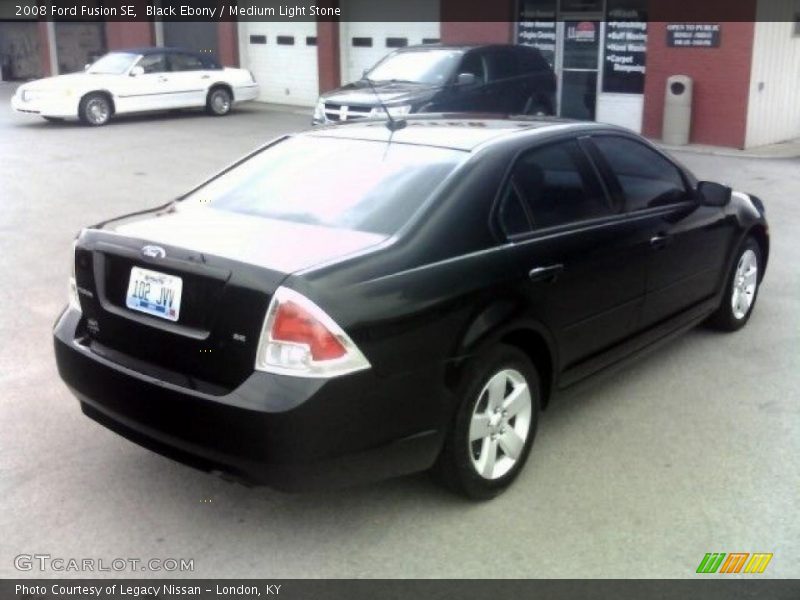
(365, 186)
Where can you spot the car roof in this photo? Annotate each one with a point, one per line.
(456, 131)
(465, 46)
(156, 50)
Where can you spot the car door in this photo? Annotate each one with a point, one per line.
(505, 89)
(687, 241)
(150, 90)
(583, 278)
(189, 80)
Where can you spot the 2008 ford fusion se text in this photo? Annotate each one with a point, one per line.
(379, 298)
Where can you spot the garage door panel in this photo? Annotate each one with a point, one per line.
(283, 58)
(365, 42)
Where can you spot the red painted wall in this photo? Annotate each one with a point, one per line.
(129, 34)
(721, 75)
(44, 49)
(330, 74)
(228, 39)
(492, 21)
(461, 32)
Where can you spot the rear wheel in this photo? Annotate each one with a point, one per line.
(536, 108)
(741, 289)
(219, 102)
(494, 425)
(95, 109)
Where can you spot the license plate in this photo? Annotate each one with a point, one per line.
(155, 293)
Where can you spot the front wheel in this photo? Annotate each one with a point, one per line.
(95, 109)
(494, 426)
(741, 289)
(219, 102)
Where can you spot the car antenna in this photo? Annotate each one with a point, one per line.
(392, 124)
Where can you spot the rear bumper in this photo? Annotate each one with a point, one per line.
(246, 93)
(290, 433)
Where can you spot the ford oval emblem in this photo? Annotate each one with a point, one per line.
(154, 252)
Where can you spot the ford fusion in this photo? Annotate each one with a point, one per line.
(137, 80)
(363, 301)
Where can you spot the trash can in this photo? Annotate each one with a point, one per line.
(677, 110)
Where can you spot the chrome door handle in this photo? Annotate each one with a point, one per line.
(205, 77)
(546, 274)
(660, 240)
(162, 79)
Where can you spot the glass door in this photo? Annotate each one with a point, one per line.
(580, 52)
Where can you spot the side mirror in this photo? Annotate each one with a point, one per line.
(364, 73)
(714, 194)
(87, 66)
(465, 79)
(136, 71)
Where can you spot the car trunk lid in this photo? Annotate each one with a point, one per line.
(229, 266)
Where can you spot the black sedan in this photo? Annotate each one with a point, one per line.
(359, 301)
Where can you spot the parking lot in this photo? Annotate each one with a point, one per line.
(694, 449)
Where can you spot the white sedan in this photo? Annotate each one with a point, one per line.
(129, 81)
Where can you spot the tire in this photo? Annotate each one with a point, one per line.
(53, 119)
(464, 466)
(219, 102)
(741, 289)
(95, 109)
(536, 108)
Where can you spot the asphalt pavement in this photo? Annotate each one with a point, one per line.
(693, 449)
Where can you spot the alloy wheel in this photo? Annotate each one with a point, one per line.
(500, 424)
(220, 102)
(97, 111)
(744, 284)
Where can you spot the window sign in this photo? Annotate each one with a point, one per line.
(537, 27)
(581, 44)
(693, 35)
(625, 52)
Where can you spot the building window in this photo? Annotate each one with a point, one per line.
(311, 40)
(430, 40)
(285, 40)
(258, 39)
(362, 42)
(396, 42)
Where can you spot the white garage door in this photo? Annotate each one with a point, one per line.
(283, 58)
(363, 43)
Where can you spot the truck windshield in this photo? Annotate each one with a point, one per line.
(421, 66)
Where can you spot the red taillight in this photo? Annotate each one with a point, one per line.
(299, 338)
(295, 324)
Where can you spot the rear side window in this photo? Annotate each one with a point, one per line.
(557, 186)
(154, 63)
(186, 62)
(359, 185)
(647, 179)
(501, 64)
(531, 60)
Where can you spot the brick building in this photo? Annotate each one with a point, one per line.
(612, 57)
